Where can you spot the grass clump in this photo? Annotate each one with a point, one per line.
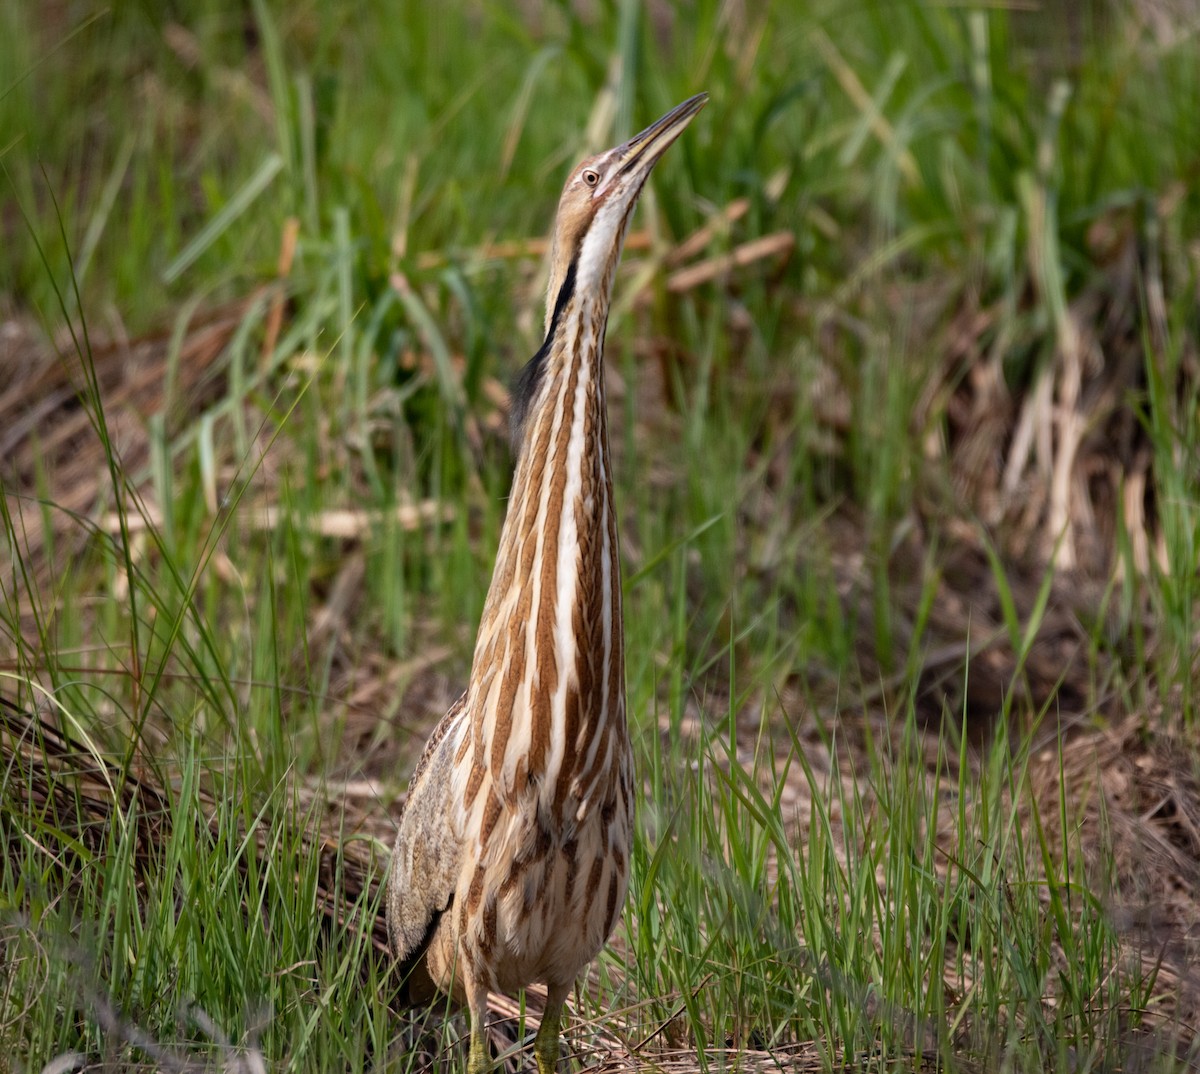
(902, 392)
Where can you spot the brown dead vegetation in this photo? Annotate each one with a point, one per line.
(1041, 472)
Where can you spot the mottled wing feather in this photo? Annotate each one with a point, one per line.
(427, 856)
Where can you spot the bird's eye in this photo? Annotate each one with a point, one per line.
(591, 177)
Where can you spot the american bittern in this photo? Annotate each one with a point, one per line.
(512, 858)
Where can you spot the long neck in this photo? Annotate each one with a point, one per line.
(549, 658)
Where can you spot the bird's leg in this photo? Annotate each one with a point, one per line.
(480, 1059)
(545, 1044)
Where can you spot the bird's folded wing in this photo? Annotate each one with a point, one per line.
(426, 861)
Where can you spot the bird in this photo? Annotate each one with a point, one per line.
(511, 860)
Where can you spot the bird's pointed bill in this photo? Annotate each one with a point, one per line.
(643, 150)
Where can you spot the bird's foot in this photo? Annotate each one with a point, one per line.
(480, 1059)
(545, 1046)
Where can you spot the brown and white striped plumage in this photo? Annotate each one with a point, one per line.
(512, 858)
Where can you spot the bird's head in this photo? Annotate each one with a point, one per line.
(598, 201)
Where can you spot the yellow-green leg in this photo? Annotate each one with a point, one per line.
(545, 1044)
(480, 1059)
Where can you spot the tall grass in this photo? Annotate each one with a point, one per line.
(843, 856)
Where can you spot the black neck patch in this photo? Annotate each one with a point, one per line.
(526, 383)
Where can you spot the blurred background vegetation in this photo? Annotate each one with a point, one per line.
(903, 383)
